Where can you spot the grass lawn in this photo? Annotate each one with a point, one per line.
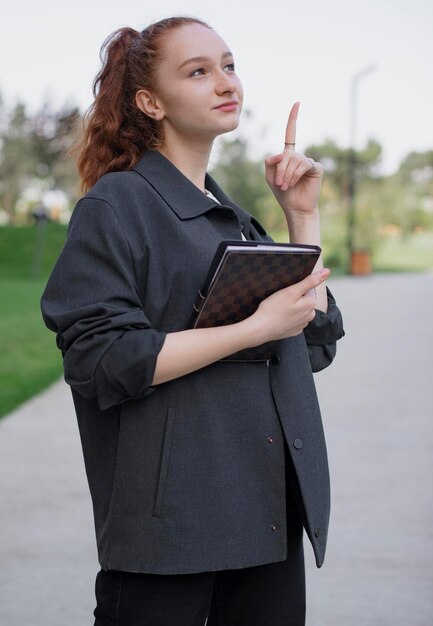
(30, 358)
(17, 250)
(413, 255)
(33, 361)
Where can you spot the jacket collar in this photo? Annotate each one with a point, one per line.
(185, 198)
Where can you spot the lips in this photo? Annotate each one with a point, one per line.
(228, 106)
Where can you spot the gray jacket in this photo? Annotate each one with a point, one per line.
(188, 475)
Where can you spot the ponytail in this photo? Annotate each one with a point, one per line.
(115, 132)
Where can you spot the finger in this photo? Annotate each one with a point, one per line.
(290, 137)
(273, 160)
(308, 302)
(311, 282)
(292, 167)
(296, 174)
(282, 168)
(311, 316)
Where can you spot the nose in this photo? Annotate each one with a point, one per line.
(225, 83)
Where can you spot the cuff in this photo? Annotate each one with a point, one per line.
(325, 328)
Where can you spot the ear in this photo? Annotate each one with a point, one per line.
(147, 102)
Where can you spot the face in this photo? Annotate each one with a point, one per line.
(195, 77)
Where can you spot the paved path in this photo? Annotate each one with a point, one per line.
(377, 404)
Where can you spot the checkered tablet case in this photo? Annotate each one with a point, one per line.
(243, 281)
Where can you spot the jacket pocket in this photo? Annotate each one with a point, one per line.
(165, 459)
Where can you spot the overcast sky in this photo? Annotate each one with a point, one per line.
(284, 51)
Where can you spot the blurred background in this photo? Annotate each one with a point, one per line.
(362, 73)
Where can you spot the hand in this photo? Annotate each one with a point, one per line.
(291, 176)
(286, 312)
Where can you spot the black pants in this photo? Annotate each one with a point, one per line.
(264, 595)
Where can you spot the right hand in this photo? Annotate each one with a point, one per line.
(286, 312)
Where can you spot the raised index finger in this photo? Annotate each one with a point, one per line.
(291, 126)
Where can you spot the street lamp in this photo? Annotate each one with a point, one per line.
(352, 161)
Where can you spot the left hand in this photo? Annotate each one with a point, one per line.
(293, 179)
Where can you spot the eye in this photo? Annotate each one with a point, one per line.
(194, 73)
(231, 67)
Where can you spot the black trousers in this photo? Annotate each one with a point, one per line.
(265, 595)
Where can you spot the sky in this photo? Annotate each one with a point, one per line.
(284, 51)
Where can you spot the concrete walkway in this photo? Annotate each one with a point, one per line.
(377, 405)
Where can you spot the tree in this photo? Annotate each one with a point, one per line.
(34, 148)
(338, 162)
(414, 180)
(16, 157)
(243, 178)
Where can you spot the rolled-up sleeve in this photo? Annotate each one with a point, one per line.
(91, 302)
(322, 334)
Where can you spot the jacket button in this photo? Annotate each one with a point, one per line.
(273, 527)
(317, 532)
(298, 443)
(275, 359)
(270, 440)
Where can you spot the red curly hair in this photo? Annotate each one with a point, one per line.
(115, 132)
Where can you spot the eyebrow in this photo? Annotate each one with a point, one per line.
(201, 59)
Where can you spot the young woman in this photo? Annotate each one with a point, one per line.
(203, 472)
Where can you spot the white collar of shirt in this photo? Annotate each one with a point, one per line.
(208, 193)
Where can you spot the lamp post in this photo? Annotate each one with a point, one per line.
(352, 161)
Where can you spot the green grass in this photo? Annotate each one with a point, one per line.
(33, 360)
(17, 250)
(415, 254)
(30, 358)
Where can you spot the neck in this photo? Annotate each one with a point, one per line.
(191, 159)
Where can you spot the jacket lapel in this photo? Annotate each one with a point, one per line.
(183, 197)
